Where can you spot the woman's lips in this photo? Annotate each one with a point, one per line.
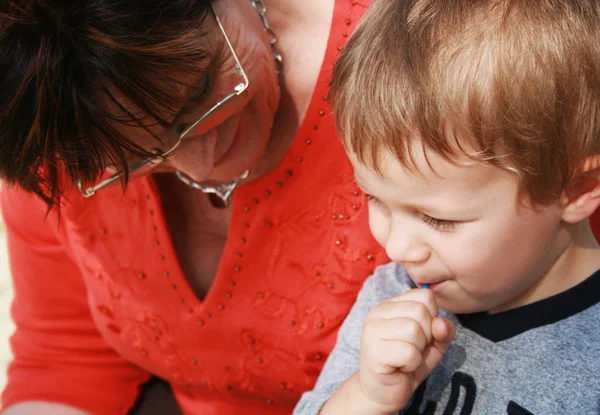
(210, 144)
(214, 151)
(209, 141)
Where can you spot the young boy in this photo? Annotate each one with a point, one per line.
(474, 130)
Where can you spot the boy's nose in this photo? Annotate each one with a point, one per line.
(404, 247)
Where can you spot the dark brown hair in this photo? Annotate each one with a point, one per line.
(62, 63)
(518, 79)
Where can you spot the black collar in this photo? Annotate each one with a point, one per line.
(507, 324)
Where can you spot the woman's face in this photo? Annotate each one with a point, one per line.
(235, 138)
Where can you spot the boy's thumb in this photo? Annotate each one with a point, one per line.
(443, 332)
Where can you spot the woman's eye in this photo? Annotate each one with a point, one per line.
(440, 224)
(202, 89)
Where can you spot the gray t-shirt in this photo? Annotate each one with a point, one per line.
(542, 358)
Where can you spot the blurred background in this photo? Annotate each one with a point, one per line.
(6, 326)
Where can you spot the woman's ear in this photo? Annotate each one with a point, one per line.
(581, 198)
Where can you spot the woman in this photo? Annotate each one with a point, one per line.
(204, 227)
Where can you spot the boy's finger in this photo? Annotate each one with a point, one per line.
(405, 309)
(394, 355)
(443, 332)
(403, 329)
(424, 296)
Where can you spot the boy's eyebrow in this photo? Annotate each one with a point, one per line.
(358, 181)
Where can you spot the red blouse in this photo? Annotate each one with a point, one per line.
(101, 301)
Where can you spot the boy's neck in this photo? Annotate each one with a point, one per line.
(579, 260)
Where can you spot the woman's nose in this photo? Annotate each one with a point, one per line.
(195, 156)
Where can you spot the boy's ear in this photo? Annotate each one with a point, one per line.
(581, 198)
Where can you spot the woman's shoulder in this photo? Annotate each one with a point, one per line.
(25, 212)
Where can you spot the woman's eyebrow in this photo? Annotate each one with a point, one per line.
(211, 64)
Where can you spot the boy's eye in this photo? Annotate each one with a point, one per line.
(440, 224)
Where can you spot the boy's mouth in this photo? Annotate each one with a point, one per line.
(431, 285)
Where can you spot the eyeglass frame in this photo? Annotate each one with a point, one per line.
(154, 161)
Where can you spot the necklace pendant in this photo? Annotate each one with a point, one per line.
(219, 194)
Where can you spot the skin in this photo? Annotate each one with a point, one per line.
(41, 408)
(453, 226)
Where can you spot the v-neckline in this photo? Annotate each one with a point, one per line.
(337, 33)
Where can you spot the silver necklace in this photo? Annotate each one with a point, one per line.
(261, 9)
(221, 191)
(219, 194)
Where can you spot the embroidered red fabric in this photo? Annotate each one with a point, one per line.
(101, 301)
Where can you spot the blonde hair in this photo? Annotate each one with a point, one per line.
(518, 79)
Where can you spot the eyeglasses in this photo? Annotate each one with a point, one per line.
(150, 163)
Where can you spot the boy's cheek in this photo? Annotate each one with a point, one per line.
(379, 227)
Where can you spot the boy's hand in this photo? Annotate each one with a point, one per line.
(403, 340)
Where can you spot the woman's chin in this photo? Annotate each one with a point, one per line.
(244, 159)
(230, 171)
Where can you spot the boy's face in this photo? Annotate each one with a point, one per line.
(463, 230)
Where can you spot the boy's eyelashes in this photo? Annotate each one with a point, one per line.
(442, 225)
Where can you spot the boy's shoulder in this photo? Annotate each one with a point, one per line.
(542, 356)
(575, 334)
(550, 369)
